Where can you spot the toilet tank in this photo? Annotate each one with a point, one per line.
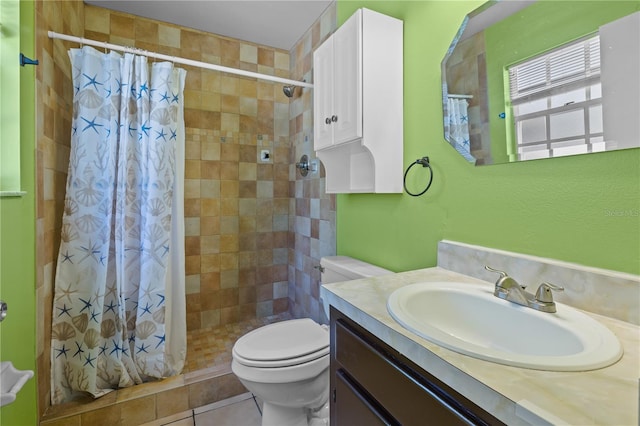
(342, 268)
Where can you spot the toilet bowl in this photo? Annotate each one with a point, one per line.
(286, 364)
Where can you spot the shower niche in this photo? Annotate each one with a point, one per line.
(358, 105)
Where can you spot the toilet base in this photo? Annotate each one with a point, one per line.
(276, 415)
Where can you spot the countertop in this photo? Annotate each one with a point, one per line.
(517, 396)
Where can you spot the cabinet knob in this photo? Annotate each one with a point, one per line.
(334, 118)
(327, 120)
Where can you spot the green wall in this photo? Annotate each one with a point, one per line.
(583, 209)
(17, 232)
(554, 24)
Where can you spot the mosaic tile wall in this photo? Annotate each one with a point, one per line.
(54, 96)
(312, 218)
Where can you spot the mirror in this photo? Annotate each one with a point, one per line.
(524, 80)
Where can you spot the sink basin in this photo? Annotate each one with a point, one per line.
(11, 381)
(469, 319)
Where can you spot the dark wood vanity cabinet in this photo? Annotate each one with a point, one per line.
(373, 384)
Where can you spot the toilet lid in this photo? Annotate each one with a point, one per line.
(282, 341)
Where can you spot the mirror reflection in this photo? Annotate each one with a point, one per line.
(525, 80)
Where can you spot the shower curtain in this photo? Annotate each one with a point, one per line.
(119, 314)
(458, 126)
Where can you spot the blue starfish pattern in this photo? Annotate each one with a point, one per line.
(92, 81)
(80, 351)
(103, 349)
(146, 128)
(116, 348)
(144, 88)
(110, 307)
(142, 348)
(62, 351)
(64, 310)
(161, 134)
(94, 316)
(67, 257)
(87, 304)
(161, 340)
(89, 360)
(146, 309)
(91, 124)
(120, 85)
(165, 97)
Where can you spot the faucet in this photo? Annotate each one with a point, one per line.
(508, 289)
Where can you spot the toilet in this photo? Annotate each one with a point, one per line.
(286, 364)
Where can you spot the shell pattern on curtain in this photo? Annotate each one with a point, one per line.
(109, 326)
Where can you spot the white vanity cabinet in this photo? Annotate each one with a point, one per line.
(358, 115)
(338, 86)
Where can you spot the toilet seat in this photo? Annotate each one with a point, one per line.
(282, 344)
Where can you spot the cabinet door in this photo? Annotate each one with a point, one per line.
(323, 95)
(351, 407)
(347, 114)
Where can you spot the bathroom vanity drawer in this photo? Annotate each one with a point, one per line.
(395, 389)
(355, 408)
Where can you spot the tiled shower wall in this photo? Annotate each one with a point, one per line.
(312, 219)
(54, 98)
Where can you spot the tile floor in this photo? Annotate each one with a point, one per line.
(241, 410)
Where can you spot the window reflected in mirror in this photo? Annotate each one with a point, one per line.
(556, 101)
(543, 79)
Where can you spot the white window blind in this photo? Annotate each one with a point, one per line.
(571, 63)
(556, 101)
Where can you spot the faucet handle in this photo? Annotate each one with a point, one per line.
(505, 281)
(543, 294)
(503, 274)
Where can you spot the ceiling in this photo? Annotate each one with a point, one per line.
(277, 24)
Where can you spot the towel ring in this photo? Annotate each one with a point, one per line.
(425, 163)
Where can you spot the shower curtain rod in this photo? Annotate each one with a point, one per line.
(178, 60)
(460, 96)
